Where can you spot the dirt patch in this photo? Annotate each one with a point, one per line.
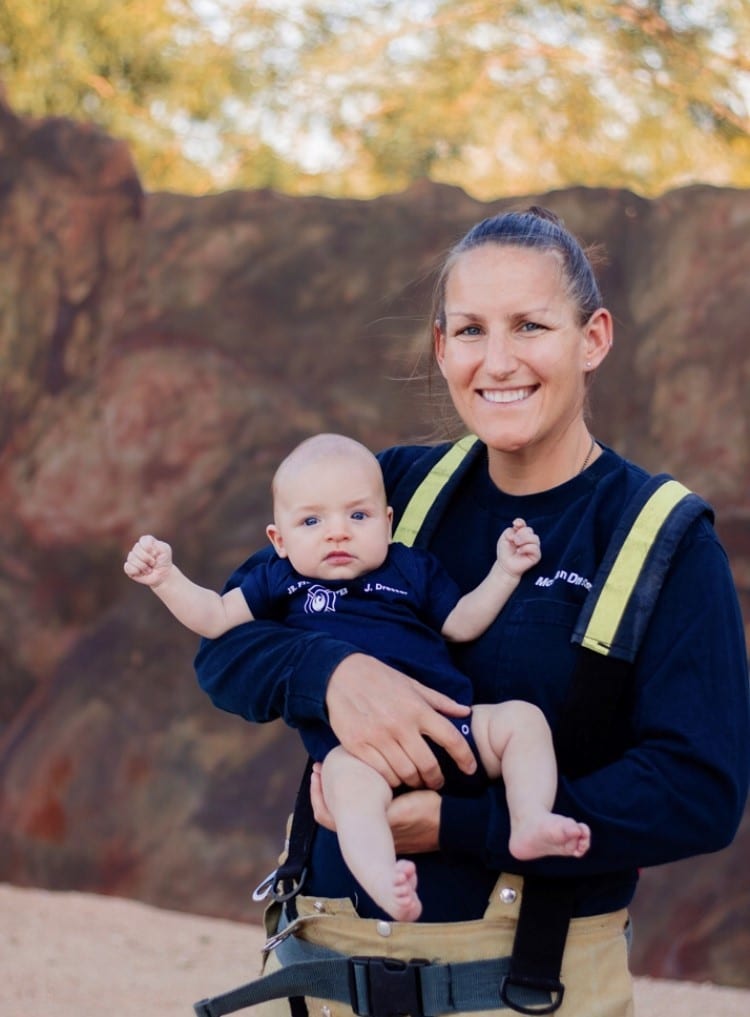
(75, 954)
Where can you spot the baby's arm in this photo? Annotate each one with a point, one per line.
(203, 611)
(517, 550)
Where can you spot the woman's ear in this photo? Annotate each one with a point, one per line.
(273, 534)
(598, 336)
(438, 339)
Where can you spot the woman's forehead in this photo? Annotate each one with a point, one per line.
(494, 270)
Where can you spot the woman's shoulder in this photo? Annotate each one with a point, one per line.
(612, 468)
(623, 483)
(616, 470)
(405, 467)
(399, 460)
(617, 481)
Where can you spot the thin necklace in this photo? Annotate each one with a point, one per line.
(588, 455)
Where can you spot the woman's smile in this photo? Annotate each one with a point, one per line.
(507, 395)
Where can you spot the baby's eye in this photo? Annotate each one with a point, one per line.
(359, 515)
(310, 520)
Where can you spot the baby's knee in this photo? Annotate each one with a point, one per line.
(524, 710)
(519, 715)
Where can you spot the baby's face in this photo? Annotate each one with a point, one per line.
(331, 518)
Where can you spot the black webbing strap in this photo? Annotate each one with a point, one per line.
(291, 873)
(298, 1006)
(386, 987)
(598, 687)
(289, 876)
(539, 943)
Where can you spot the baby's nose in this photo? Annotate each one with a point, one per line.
(338, 530)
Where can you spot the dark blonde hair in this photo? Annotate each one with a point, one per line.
(535, 227)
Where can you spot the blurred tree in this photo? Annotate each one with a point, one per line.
(344, 97)
(506, 96)
(157, 73)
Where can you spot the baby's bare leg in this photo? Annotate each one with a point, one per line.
(358, 798)
(515, 743)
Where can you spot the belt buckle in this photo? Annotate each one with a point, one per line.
(386, 986)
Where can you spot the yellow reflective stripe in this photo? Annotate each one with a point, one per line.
(425, 495)
(614, 597)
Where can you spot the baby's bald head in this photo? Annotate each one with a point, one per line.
(319, 450)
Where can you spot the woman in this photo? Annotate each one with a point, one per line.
(518, 328)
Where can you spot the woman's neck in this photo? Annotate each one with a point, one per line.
(536, 468)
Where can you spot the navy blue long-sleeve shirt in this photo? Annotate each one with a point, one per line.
(679, 786)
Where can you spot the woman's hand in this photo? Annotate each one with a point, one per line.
(382, 717)
(414, 817)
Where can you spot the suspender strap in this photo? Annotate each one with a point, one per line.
(614, 617)
(539, 943)
(597, 690)
(619, 605)
(425, 506)
(290, 875)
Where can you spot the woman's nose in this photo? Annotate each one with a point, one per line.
(499, 356)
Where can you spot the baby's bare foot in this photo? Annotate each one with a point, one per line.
(549, 834)
(405, 905)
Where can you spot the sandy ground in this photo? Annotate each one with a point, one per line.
(76, 955)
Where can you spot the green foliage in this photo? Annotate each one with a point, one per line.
(149, 71)
(496, 96)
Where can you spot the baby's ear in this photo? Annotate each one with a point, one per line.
(273, 534)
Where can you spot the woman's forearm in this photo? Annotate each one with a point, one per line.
(264, 670)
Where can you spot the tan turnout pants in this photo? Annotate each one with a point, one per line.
(595, 963)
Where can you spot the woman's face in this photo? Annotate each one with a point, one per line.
(512, 352)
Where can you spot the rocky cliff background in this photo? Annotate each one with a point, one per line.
(158, 354)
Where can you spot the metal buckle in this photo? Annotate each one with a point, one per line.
(267, 887)
(263, 888)
(278, 937)
(555, 988)
(390, 987)
(280, 898)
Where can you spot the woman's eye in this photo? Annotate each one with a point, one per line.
(531, 326)
(469, 332)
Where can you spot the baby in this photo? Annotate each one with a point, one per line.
(336, 570)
